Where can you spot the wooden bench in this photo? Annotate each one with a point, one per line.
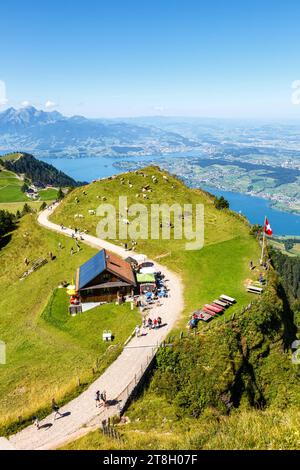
(254, 290)
(227, 299)
(221, 303)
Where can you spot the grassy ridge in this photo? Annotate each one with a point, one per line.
(240, 364)
(32, 374)
(220, 267)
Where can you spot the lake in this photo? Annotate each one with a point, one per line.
(254, 208)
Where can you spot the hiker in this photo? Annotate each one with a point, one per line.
(103, 398)
(60, 245)
(98, 399)
(125, 246)
(261, 279)
(137, 331)
(72, 251)
(150, 323)
(251, 265)
(36, 422)
(51, 255)
(26, 261)
(155, 323)
(55, 409)
(159, 322)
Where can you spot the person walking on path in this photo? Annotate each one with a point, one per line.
(36, 422)
(55, 409)
(103, 398)
(137, 331)
(98, 399)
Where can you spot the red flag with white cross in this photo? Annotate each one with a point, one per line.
(267, 228)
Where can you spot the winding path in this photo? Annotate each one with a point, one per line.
(81, 415)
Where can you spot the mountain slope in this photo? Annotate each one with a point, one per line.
(51, 133)
(238, 364)
(38, 172)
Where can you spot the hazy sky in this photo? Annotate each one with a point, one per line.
(151, 57)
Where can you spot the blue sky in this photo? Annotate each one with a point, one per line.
(148, 57)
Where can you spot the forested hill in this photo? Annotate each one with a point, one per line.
(40, 173)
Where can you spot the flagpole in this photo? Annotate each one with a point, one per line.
(263, 243)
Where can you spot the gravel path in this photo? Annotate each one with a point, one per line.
(81, 414)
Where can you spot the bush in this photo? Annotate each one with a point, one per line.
(7, 222)
(221, 203)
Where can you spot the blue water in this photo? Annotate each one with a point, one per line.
(254, 208)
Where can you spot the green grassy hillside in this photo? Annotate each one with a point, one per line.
(222, 266)
(11, 194)
(37, 171)
(47, 350)
(245, 430)
(232, 386)
(10, 187)
(241, 367)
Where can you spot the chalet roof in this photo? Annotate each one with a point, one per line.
(104, 261)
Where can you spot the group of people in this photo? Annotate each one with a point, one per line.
(153, 324)
(133, 245)
(55, 410)
(100, 399)
(74, 237)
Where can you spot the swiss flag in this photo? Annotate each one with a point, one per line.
(267, 228)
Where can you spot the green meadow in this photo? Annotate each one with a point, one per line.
(10, 187)
(48, 351)
(220, 267)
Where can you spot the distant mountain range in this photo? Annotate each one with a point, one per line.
(50, 134)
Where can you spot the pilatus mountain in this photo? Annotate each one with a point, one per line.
(54, 135)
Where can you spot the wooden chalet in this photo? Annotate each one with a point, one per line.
(104, 278)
